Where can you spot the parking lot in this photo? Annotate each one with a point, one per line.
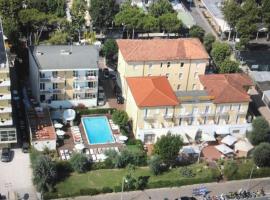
(16, 175)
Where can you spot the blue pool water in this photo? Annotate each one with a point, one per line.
(98, 130)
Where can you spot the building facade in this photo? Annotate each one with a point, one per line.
(180, 60)
(7, 129)
(64, 76)
(155, 109)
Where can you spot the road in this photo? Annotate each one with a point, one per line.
(176, 192)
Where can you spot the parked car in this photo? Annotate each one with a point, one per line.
(106, 73)
(6, 154)
(120, 99)
(15, 95)
(117, 90)
(101, 99)
(101, 90)
(25, 147)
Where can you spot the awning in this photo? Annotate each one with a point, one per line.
(229, 140)
(243, 145)
(60, 133)
(69, 115)
(224, 149)
(223, 130)
(58, 125)
(206, 137)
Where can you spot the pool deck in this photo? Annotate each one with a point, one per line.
(69, 143)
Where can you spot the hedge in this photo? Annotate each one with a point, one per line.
(85, 111)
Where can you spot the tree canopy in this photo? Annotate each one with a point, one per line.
(220, 51)
(110, 50)
(167, 147)
(228, 66)
(170, 23)
(196, 32)
(79, 162)
(260, 131)
(208, 41)
(160, 7)
(261, 155)
(102, 13)
(120, 117)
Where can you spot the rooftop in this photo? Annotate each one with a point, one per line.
(152, 91)
(40, 124)
(65, 56)
(162, 49)
(227, 88)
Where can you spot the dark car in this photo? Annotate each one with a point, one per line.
(106, 73)
(6, 155)
(120, 99)
(117, 91)
(25, 147)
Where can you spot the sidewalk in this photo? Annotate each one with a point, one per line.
(173, 193)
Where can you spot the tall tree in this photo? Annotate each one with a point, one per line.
(228, 66)
(102, 13)
(170, 23)
(208, 41)
(197, 32)
(261, 155)
(160, 7)
(10, 8)
(266, 14)
(45, 175)
(150, 23)
(167, 147)
(260, 131)
(220, 52)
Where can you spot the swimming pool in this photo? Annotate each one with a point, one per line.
(98, 130)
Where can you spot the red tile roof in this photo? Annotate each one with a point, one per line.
(152, 91)
(227, 88)
(162, 49)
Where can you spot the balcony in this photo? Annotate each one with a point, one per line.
(168, 116)
(5, 109)
(223, 113)
(185, 115)
(50, 91)
(85, 90)
(6, 122)
(149, 117)
(5, 96)
(53, 79)
(5, 83)
(207, 114)
(85, 78)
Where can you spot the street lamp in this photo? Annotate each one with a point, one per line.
(124, 180)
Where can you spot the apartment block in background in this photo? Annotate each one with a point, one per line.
(63, 76)
(218, 106)
(180, 60)
(7, 129)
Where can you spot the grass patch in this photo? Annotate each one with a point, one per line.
(133, 148)
(112, 177)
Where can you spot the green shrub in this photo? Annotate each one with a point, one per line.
(85, 111)
(63, 169)
(155, 165)
(117, 188)
(106, 190)
(89, 191)
(102, 165)
(230, 169)
(120, 118)
(141, 182)
(79, 163)
(187, 172)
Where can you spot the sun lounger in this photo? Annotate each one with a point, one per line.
(91, 151)
(68, 156)
(63, 157)
(61, 151)
(66, 151)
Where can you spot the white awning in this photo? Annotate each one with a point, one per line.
(69, 115)
(223, 130)
(243, 145)
(58, 125)
(206, 137)
(224, 149)
(229, 140)
(60, 133)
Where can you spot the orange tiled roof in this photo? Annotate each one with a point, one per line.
(162, 49)
(152, 91)
(227, 88)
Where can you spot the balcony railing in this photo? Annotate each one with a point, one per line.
(85, 78)
(207, 114)
(53, 79)
(50, 91)
(85, 90)
(168, 116)
(5, 109)
(149, 117)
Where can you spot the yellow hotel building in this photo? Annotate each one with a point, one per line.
(180, 60)
(218, 106)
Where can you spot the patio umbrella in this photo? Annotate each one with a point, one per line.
(69, 115)
(58, 125)
(79, 146)
(123, 138)
(60, 132)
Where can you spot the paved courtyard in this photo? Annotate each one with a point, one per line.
(16, 175)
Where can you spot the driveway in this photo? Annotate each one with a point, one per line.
(17, 175)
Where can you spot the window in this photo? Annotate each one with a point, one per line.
(149, 138)
(181, 64)
(75, 73)
(76, 96)
(221, 108)
(149, 75)
(42, 86)
(166, 111)
(178, 86)
(54, 97)
(55, 85)
(91, 84)
(167, 75)
(135, 67)
(195, 110)
(180, 76)
(42, 98)
(161, 65)
(207, 109)
(145, 112)
(89, 96)
(194, 87)
(42, 75)
(168, 64)
(150, 65)
(196, 75)
(54, 73)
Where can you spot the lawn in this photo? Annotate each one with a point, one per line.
(113, 177)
